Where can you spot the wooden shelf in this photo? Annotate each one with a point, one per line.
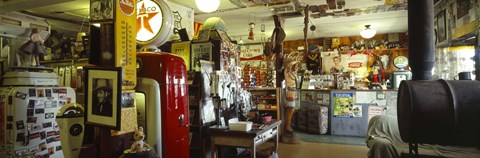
(267, 109)
(262, 89)
(63, 61)
(377, 50)
(267, 98)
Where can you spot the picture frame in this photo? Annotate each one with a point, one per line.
(102, 10)
(441, 26)
(203, 35)
(200, 51)
(103, 94)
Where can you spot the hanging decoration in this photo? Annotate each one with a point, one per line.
(251, 26)
(251, 35)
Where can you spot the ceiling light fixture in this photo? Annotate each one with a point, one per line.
(207, 6)
(367, 33)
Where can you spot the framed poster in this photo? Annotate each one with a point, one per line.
(101, 10)
(343, 104)
(441, 26)
(182, 49)
(200, 51)
(103, 96)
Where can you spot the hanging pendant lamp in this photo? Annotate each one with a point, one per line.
(368, 32)
(207, 6)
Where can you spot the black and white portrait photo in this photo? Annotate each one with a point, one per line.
(102, 97)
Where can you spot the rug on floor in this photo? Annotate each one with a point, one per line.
(331, 139)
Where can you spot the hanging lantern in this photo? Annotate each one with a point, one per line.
(251, 35)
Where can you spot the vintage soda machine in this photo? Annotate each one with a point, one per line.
(170, 73)
(161, 91)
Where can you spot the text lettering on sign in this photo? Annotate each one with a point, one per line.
(354, 64)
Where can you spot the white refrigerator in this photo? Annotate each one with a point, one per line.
(27, 120)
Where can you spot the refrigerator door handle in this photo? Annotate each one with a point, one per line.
(26, 141)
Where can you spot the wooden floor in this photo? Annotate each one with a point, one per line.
(318, 150)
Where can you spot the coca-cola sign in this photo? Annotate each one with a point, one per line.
(354, 64)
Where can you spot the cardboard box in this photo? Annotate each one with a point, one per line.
(240, 126)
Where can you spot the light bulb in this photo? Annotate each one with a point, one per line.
(207, 6)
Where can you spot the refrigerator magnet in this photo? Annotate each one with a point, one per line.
(58, 148)
(49, 115)
(51, 133)
(32, 92)
(39, 104)
(62, 91)
(55, 90)
(21, 95)
(48, 93)
(43, 135)
(30, 112)
(20, 125)
(51, 151)
(31, 104)
(51, 104)
(42, 146)
(40, 93)
(39, 111)
(36, 127)
(31, 119)
(35, 135)
(47, 124)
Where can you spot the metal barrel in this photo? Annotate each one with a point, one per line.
(439, 112)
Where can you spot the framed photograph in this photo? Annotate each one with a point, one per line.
(441, 26)
(103, 92)
(200, 51)
(102, 10)
(203, 35)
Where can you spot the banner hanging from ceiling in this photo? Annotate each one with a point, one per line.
(251, 55)
(182, 19)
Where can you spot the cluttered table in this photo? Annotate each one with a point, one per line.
(259, 134)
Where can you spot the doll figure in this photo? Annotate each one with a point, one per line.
(377, 76)
(31, 50)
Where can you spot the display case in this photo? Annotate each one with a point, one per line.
(267, 101)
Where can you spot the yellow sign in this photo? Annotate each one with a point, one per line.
(125, 43)
(183, 50)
